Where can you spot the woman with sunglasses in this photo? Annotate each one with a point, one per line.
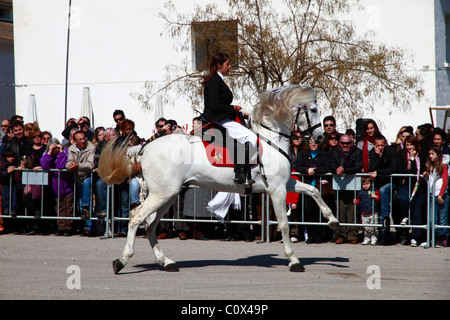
(38, 148)
(296, 146)
(331, 141)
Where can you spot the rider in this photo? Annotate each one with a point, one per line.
(218, 108)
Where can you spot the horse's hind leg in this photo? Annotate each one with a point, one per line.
(151, 222)
(151, 204)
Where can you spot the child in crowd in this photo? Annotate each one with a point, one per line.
(367, 201)
(31, 196)
(9, 179)
(437, 174)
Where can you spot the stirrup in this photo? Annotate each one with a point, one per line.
(248, 183)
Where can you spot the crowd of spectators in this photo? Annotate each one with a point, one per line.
(79, 192)
(421, 156)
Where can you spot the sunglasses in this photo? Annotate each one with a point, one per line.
(345, 143)
(34, 137)
(332, 138)
(120, 119)
(328, 125)
(295, 138)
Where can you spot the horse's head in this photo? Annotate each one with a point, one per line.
(293, 105)
(302, 101)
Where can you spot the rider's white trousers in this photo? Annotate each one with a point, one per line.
(239, 132)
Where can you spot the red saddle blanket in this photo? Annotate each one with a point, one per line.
(214, 137)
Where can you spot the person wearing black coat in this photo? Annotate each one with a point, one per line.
(413, 190)
(382, 163)
(346, 158)
(218, 109)
(313, 162)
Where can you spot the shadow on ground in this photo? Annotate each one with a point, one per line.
(264, 261)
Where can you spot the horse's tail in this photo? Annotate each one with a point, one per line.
(114, 165)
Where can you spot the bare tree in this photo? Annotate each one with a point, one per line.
(273, 43)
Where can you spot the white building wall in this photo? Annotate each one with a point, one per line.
(408, 25)
(116, 45)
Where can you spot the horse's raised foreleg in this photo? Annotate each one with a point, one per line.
(309, 190)
(152, 204)
(279, 205)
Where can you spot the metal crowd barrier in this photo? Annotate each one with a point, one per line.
(40, 177)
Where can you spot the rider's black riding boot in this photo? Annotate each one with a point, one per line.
(248, 171)
(239, 173)
(242, 171)
(239, 167)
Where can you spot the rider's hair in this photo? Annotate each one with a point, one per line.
(218, 58)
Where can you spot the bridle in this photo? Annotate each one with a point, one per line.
(310, 128)
(305, 133)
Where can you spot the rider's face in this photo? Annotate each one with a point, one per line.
(224, 68)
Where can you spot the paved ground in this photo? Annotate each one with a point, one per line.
(47, 267)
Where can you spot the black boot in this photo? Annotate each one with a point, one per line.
(242, 171)
(248, 172)
(239, 173)
(239, 167)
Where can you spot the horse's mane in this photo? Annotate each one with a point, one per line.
(277, 103)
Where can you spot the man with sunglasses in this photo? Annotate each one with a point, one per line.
(118, 116)
(346, 158)
(329, 125)
(5, 128)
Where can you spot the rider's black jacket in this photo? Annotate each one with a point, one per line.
(218, 98)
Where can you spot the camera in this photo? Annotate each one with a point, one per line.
(173, 124)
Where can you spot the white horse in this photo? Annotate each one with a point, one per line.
(175, 160)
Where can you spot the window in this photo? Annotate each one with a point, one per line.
(211, 37)
(6, 14)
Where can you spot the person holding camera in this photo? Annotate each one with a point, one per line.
(55, 157)
(82, 124)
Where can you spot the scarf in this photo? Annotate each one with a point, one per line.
(365, 151)
(345, 156)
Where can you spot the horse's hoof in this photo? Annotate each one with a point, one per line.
(117, 266)
(334, 224)
(297, 267)
(171, 267)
